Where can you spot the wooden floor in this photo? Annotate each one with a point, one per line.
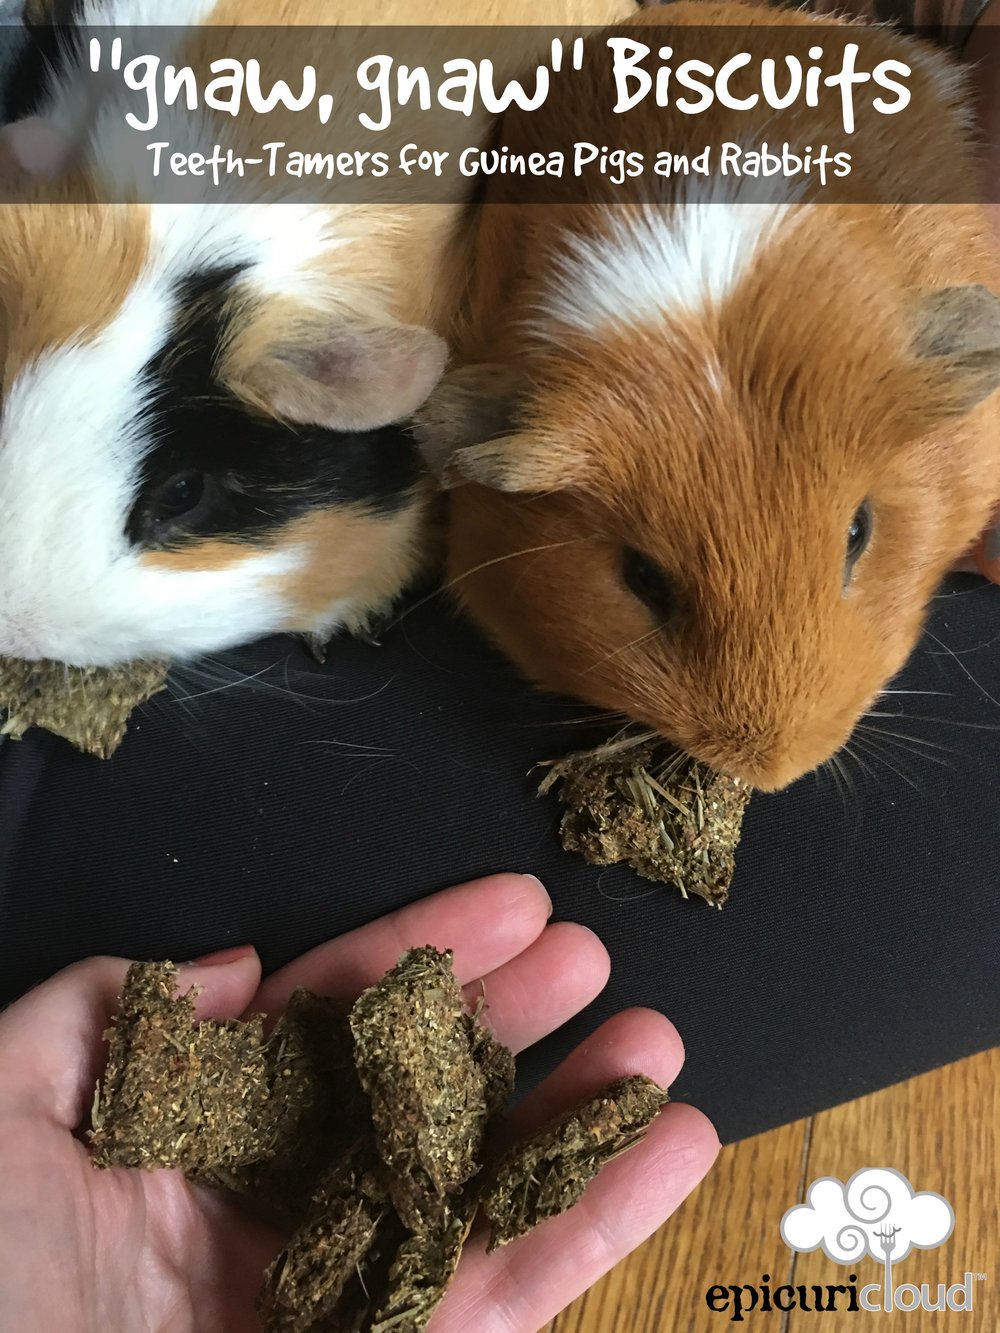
(942, 1131)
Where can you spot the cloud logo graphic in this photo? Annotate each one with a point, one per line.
(848, 1221)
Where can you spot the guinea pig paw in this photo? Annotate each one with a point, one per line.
(316, 646)
(374, 627)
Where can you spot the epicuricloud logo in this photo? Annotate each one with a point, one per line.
(876, 1215)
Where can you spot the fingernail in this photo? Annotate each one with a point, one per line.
(545, 892)
(223, 956)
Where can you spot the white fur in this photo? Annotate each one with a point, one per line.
(72, 439)
(279, 244)
(146, 13)
(654, 263)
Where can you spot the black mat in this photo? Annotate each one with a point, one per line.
(859, 945)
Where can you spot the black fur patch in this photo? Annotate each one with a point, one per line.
(258, 474)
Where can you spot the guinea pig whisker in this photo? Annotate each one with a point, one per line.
(180, 699)
(876, 753)
(597, 719)
(905, 736)
(842, 759)
(878, 762)
(980, 585)
(228, 685)
(850, 753)
(951, 653)
(890, 744)
(213, 677)
(635, 643)
(945, 721)
(833, 768)
(468, 573)
(898, 741)
(965, 652)
(226, 676)
(623, 740)
(364, 751)
(512, 555)
(943, 694)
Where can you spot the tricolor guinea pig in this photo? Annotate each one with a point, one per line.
(709, 461)
(203, 430)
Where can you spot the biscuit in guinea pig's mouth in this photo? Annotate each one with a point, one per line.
(640, 800)
(87, 706)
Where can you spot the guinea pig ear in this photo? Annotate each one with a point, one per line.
(345, 377)
(37, 147)
(467, 432)
(958, 331)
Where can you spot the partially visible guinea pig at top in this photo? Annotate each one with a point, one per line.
(203, 405)
(710, 460)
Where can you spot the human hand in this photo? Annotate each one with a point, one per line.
(123, 1250)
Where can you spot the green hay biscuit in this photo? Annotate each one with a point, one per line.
(641, 801)
(422, 1269)
(176, 1093)
(428, 1094)
(315, 1112)
(548, 1174)
(362, 1133)
(87, 706)
(316, 1284)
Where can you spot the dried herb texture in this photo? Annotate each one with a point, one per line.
(176, 1093)
(428, 1093)
(362, 1133)
(88, 706)
(670, 818)
(548, 1174)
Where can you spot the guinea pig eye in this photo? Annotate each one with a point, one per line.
(858, 536)
(178, 496)
(648, 582)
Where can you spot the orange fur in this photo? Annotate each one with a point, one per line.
(212, 553)
(352, 554)
(49, 255)
(732, 446)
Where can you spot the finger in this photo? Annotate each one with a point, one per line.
(485, 923)
(524, 1285)
(637, 1041)
(51, 1041)
(543, 987)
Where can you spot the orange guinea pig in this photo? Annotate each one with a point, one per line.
(710, 460)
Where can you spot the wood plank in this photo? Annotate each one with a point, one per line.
(942, 1131)
(727, 1229)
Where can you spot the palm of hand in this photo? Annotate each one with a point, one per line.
(124, 1251)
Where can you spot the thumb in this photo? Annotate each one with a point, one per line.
(52, 1047)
